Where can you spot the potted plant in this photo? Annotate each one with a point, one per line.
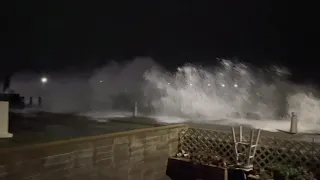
(200, 165)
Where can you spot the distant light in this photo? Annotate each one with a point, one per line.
(223, 85)
(44, 80)
(190, 84)
(101, 81)
(169, 83)
(235, 85)
(209, 84)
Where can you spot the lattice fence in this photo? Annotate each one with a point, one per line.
(270, 149)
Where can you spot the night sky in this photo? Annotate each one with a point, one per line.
(49, 35)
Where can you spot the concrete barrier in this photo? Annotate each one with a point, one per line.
(135, 155)
(4, 120)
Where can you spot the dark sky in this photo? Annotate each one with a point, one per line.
(46, 35)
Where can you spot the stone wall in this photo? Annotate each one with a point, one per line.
(133, 155)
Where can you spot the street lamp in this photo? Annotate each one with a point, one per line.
(44, 80)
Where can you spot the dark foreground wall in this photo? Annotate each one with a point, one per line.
(132, 155)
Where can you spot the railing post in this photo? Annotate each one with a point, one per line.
(294, 123)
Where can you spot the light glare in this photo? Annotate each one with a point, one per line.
(44, 80)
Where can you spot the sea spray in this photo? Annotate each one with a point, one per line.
(231, 90)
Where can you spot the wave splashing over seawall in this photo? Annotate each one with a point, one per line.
(231, 90)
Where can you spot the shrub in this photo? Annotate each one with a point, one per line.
(286, 172)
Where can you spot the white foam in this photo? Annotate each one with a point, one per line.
(264, 124)
(99, 115)
(168, 119)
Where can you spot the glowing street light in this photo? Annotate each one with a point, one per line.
(44, 80)
(190, 84)
(235, 85)
(223, 85)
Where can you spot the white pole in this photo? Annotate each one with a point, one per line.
(294, 124)
(4, 120)
(135, 109)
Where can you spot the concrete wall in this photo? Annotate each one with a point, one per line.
(131, 155)
(4, 120)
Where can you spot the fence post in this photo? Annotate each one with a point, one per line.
(135, 109)
(294, 123)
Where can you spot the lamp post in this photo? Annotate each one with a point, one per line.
(44, 81)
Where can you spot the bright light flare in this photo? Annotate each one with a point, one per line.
(223, 85)
(44, 80)
(235, 85)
